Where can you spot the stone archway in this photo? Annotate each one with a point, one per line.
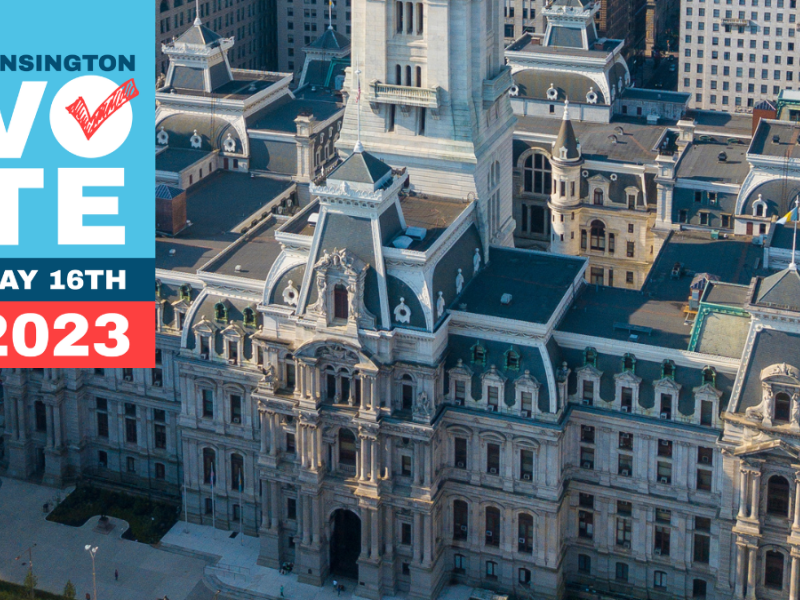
(345, 544)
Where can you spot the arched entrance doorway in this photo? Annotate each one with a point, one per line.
(345, 543)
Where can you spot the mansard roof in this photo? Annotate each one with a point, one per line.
(771, 347)
(534, 83)
(331, 40)
(779, 291)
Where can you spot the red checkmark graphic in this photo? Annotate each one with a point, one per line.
(91, 122)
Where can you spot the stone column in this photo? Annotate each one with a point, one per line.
(509, 460)
(57, 426)
(751, 573)
(742, 494)
(306, 520)
(361, 463)
(11, 419)
(388, 538)
(741, 570)
(23, 428)
(756, 495)
(417, 538)
(301, 446)
(49, 415)
(264, 419)
(273, 435)
(427, 468)
(793, 577)
(365, 522)
(427, 533)
(265, 500)
(274, 494)
(373, 527)
(388, 457)
(317, 524)
(318, 434)
(373, 457)
(360, 380)
(796, 523)
(417, 463)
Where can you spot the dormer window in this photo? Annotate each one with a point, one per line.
(340, 307)
(710, 376)
(221, 312)
(629, 363)
(186, 292)
(479, 355)
(668, 369)
(590, 357)
(512, 360)
(249, 317)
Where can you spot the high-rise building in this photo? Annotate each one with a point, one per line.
(300, 24)
(736, 53)
(252, 23)
(523, 16)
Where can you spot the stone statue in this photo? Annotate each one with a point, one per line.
(423, 405)
(476, 261)
(796, 411)
(352, 296)
(440, 306)
(459, 282)
(270, 379)
(761, 411)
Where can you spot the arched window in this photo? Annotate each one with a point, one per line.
(398, 70)
(399, 17)
(598, 236)
(479, 354)
(344, 378)
(221, 312)
(409, 18)
(773, 570)
(460, 520)
(249, 316)
(340, 308)
(759, 210)
(407, 384)
(709, 376)
(408, 75)
(537, 174)
(347, 448)
(237, 471)
(668, 369)
(420, 15)
(590, 356)
(209, 465)
(330, 383)
(492, 526)
(525, 533)
(782, 407)
(778, 496)
(598, 196)
(583, 239)
(629, 363)
(419, 74)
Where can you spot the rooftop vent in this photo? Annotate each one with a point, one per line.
(172, 252)
(612, 138)
(776, 139)
(402, 242)
(313, 219)
(619, 130)
(722, 156)
(506, 299)
(238, 268)
(417, 233)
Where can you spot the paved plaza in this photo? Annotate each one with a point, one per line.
(145, 573)
(191, 562)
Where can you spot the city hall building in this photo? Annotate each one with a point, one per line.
(356, 365)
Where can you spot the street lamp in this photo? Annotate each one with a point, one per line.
(216, 594)
(30, 559)
(92, 551)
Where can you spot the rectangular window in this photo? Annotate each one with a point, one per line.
(624, 532)
(666, 406)
(290, 444)
(461, 453)
(291, 509)
(405, 534)
(662, 534)
(584, 563)
(461, 392)
(631, 249)
(492, 459)
(526, 464)
(160, 436)
(585, 524)
(625, 440)
(625, 466)
(405, 466)
(236, 409)
(702, 548)
(587, 457)
(527, 403)
(208, 403)
(588, 392)
(587, 434)
(102, 425)
(493, 394)
(131, 464)
(664, 473)
(622, 572)
(131, 435)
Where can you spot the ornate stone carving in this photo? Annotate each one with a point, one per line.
(476, 261)
(761, 410)
(440, 305)
(402, 313)
(196, 141)
(290, 294)
(459, 282)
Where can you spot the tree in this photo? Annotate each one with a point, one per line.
(69, 591)
(30, 583)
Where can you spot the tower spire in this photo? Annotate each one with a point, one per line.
(566, 110)
(793, 264)
(197, 20)
(330, 14)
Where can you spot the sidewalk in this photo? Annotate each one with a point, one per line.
(237, 571)
(145, 573)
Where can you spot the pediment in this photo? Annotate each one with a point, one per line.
(589, 370)
(769, 447)
(628, 377)
(781, 373)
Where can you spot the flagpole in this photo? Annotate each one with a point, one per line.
(330, 14)
(793, 264)
(359, 146)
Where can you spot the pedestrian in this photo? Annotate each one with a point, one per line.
(335, 584)
(116, 575)
(282, 596)
(339, 590)
(88, 596)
